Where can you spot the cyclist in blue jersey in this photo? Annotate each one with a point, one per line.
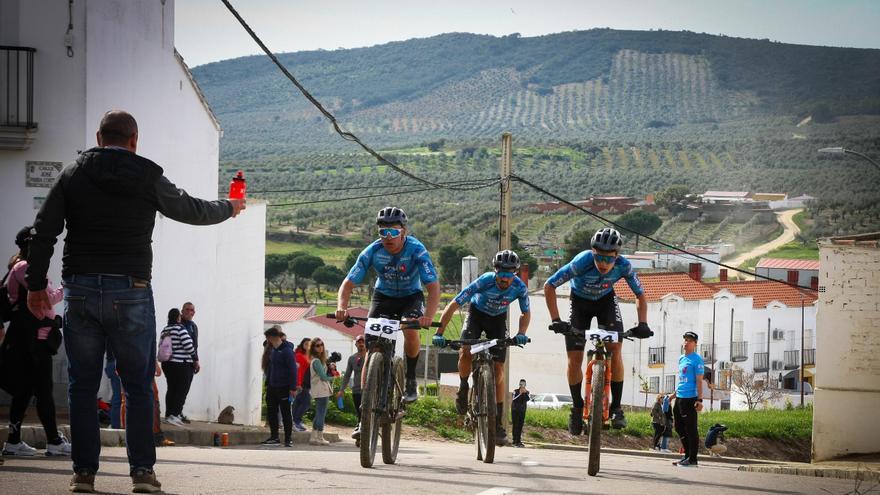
(402, 266)
(489, 296)
(593, 274)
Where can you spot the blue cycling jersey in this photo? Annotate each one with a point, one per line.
(588, 283)
(484, 294)
(398, 275)
(689, 366)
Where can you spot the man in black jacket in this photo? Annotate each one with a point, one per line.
(518, 407)
(108, 200)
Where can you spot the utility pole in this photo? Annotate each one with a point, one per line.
(802, 351)
(504, 243)
(767, 384)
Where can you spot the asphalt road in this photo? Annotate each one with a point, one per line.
(423, 468)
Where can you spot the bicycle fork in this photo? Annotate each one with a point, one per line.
(600, 354)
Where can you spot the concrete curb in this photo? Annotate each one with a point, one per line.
(656, 455)
(804, 469)
(35, 437)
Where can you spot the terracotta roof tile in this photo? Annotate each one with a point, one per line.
(657, 285)
(765, 291)
(283, 313)
(789, 264)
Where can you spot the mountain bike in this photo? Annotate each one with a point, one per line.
(480, 417)
(597, 374)
(382, 406)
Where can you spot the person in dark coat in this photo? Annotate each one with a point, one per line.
(518, 407)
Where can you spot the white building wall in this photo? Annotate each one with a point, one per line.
(849, 317)
(124, 58)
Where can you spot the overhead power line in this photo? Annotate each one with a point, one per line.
(653, 239)
(347, 135)
(367, 196)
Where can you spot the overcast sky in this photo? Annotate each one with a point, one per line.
(207, 32)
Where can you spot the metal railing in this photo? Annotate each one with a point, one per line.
(792, 359)
(17, 92)
(739, 351)
(762, 361)
(656, 355)
(809, 357)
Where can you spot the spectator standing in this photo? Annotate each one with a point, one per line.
(688, 400)
(281, 385)
(353, 372)
(115, 389)
(658, 422)
(187, 311)
(668, 425)
(303, 399)
(28, 353)
(178, 369)
(518, 407)
(321, 390)
(108, 201)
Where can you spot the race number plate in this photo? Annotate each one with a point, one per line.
(381, 327)
(603, 336)
(482, 346)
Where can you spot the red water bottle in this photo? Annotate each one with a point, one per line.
(238, 186)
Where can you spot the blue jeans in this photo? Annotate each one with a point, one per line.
(101, 311)
(116, 399)
(320, 413)
(301, 404)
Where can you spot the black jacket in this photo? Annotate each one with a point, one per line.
(282, 367)
(520, 400)
(109, 199)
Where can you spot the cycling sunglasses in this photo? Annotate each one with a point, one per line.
(505, 275)
(601, 258)
(389, 232)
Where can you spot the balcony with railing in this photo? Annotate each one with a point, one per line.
(809, 357)
(706, 352)
(739, 351)
(762, 361)
(792, 359)
(17, 126)
(656, 356)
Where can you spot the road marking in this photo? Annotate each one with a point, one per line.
(498, 490)
(530, 463)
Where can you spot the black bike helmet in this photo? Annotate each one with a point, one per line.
(506, 260)
(607, 239)
(391, 215)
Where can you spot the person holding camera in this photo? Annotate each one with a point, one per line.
(322, 388)
(518, 407)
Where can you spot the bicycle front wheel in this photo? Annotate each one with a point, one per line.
(369, 415)
(597, 389)
(391, 428)
(485, 409)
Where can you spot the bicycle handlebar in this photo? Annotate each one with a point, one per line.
(404, 324)
(457, 344)
(569, 331)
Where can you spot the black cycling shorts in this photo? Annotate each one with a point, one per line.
(397, 308)
(605, 309)
(495, 327)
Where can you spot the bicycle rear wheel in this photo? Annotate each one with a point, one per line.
(369, 415)
(391, 428)
(485, 405)
(595, 442)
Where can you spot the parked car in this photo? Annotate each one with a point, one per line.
(550, 401)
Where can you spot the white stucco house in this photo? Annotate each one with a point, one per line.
(121, 55)
(678, 303)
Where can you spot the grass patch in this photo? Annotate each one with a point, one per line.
(438, 415)
(803, 221)
(770, 424)
(332, 255)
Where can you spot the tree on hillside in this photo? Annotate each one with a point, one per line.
(576, 242)
(303, 267)
(449, 259)
(276, 264)
(328, 275)
(672, 195)
(639, 222)
(525, 257)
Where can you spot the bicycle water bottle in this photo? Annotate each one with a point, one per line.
(237, 186)
(340, 404)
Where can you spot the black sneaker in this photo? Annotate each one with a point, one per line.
(618, 420)
(271, 441)
(144, 481)
(411, 391)
(356, 434)
(288, 444)
(676, 463)
(518, 445)
(461, 400)
(83, 482)
(686, 463)
(576, 421)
